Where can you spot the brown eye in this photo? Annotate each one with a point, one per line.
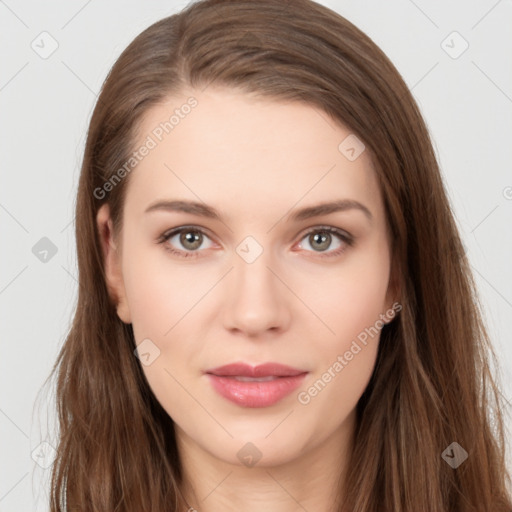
(321, 239)
(185, 241)
(191, 239)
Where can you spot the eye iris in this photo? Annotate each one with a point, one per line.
(194, 238)
(322, 237)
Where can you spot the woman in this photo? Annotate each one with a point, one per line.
(275, 308)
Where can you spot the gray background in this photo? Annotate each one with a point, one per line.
(46, 105)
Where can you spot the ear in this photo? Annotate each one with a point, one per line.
(112, 263)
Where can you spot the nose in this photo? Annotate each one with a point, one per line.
(257, 299)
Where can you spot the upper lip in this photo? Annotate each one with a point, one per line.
(262, 370)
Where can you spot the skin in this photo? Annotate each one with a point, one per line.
(256, 161)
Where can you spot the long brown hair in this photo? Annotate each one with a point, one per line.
(432, 384)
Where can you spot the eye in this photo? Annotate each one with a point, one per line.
(320, 239)
(190, 238)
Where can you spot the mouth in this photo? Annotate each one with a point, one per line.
(240, 369)
(241, 378)
(259, 386)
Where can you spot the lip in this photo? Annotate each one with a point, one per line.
(284, 379)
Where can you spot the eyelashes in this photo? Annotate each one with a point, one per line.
(327, 234)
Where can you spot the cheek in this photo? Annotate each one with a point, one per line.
(352, 299)
(351, 306)
(161, 292)
(161, 297)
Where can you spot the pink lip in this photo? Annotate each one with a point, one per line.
(255, 394)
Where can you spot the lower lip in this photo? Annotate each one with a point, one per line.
(255, 394)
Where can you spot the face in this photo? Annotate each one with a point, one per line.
(258, 282)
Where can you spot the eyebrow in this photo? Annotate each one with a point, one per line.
(203, 210)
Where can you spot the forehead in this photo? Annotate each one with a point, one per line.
(233, 149)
